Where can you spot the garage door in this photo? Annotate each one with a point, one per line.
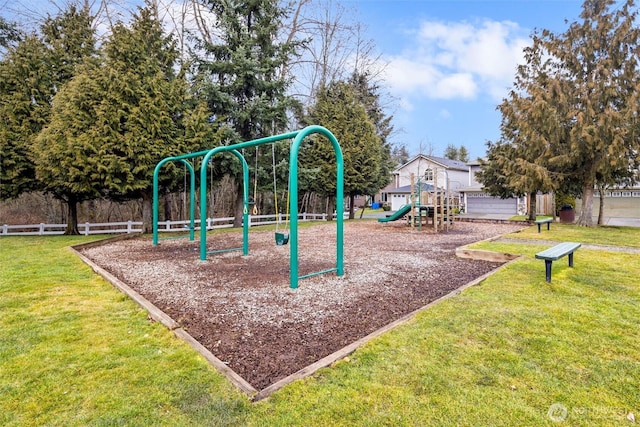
(482, 203)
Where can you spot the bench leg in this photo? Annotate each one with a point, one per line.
(547, 269)
(571, 259)
(548, 226)
(539, 227)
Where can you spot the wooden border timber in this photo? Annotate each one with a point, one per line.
(346, 351)
(159, 316)
(154, 312)
(255, 395)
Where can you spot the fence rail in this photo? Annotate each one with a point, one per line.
(129, 227)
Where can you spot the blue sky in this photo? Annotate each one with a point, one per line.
(451, 62)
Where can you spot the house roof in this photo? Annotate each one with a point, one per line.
(441, 161)
(406, 189)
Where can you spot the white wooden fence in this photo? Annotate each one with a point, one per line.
(136, 226)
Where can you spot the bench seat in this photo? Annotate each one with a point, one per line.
(547, 221)
(555, 253)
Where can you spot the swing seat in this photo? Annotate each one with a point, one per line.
(282, 238)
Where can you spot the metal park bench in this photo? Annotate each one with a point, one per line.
(547, 221)
(555, 253)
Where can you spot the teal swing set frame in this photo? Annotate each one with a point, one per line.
(298, 137)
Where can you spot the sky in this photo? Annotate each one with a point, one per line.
(449, 63)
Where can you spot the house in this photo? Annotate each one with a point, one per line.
(476, 201)
(459, 180)
(429, 172)
(618, 203)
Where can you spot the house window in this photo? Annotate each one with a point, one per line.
(428, 175)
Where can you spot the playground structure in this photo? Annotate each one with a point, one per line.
(425, 204)
(281, 238)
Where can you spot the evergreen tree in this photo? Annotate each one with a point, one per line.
(25, 94)
(599, 88)
(31, 74)
(399, 155)
(368, 94)
(572, 116)
(244, 70)
(454, 153)
(141, 109)
(339, 110)
(463, 154)
(65, 153)
(494, 173)
(118, 118)
(451, 152)
(9, 34)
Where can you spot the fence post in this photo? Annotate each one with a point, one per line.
(86, 228)
(41, 229)
(129, 227)
(5, 229)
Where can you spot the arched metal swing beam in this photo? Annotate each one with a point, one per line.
(298, 137)
(192, 197)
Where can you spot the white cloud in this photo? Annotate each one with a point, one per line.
(458, 60)
(444, 114)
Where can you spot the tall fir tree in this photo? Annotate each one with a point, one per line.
(32, 72)
(243, 70)
(118, 118)
(451, 152)
(463, 154)
(65, 153)
(25, 96)
(141, 106)
(572, 116)
(339, 110)
(368, 93)
(9, 34)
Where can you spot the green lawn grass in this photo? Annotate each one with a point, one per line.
(603, 235)
(513, 350)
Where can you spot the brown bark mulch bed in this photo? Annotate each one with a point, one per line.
(243, 311)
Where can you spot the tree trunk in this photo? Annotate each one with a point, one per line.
(147, 209)
(72, 216)
(532, 206)
(352, 212)
(239, 205)
(586, 216)
(365, 205)
(331, 205)
(167, 205)
(601, 207)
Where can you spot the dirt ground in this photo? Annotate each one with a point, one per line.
(243, 311)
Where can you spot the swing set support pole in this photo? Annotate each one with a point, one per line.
(293, 203)
(192, 197)
(297, 137)
(203, 199)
